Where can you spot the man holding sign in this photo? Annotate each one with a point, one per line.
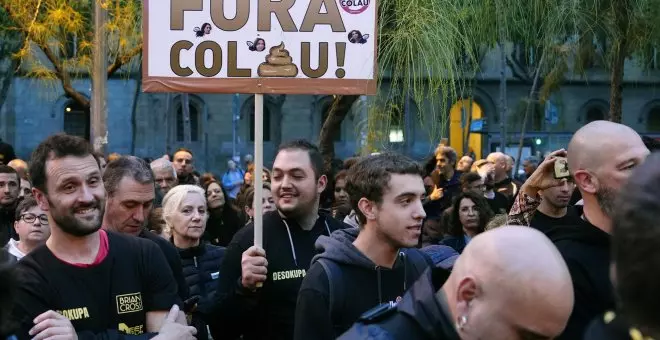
(289, 235)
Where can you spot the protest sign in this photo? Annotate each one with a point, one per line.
(260, 46)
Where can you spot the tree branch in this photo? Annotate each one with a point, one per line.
(59, 70)
(124, 59)
(337, 111)
(518, 70)
(64, 77)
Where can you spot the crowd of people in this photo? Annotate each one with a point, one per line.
(373, 247)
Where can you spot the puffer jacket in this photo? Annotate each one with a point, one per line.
(201, 266)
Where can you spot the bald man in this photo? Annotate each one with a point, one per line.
(509, 283)
(503, 183)
(21, 167)
(601, 157)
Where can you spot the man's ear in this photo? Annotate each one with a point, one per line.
(368, 208)
(466, 291)
(585, 181)
(321, 183)
(41, 199)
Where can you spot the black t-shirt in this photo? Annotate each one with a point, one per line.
(104, 301)
(543, 222)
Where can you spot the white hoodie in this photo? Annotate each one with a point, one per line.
(13, 249)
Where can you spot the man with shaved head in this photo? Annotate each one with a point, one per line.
(503, 182)
(509, 283)
(601, 157)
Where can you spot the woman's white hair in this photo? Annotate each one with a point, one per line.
(172, 201)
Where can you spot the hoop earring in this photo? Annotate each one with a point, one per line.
(462, 321)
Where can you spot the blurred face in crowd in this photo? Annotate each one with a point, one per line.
(127, 211)
(468, 214)
(559, 196)
(400, 215)
(9, 188)
(294, 184)
(26, 188)
(231, 165)
(499, 162)
(165, 179)
(465, 164)
(189, 220)
(529, 167)
(268, 204)
(247, 179)
(183, 163)
(341, 196)
(215, 196)
(75, 195)
(33, 226)
(443, 164)
(477, 187)
(102, 164)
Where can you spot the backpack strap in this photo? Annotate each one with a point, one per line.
(419, 260)
(335, 290)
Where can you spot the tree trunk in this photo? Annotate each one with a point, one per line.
(136, 98)
(336, 113)
(621, 18)
(503, 104)
(533, 95)
(616, 81)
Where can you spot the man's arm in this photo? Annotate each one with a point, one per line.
(160, 288)
(233, 302)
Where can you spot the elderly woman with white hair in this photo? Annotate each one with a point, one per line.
(185, 213)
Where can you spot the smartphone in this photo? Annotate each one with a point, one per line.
(561, 168)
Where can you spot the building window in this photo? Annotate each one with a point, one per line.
(653, 119)
(266, 124)
(76, 120)
(325, 110)
(595, 109)
(194, 111)
(594, 113)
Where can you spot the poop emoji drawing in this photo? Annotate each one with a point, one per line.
(278, 63)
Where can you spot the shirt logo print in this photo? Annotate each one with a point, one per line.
(129, 303)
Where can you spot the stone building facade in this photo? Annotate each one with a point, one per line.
(35, 109)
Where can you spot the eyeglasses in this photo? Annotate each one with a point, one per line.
(31, 218)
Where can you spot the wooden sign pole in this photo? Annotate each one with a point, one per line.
(257, 178)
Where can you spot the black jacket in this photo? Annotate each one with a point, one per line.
(357, 285)
(200, 269)
(423, 314)
(586, 250)
(269, 312)
(7, 218)
(222, 225)
(173, 260)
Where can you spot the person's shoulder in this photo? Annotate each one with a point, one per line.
(335, 224)
(130, 245)
(215, 251)
(316, 276)
(162, 243)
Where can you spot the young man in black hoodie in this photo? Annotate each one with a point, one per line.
(289, 234)
(356, 272)
(601, 157)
